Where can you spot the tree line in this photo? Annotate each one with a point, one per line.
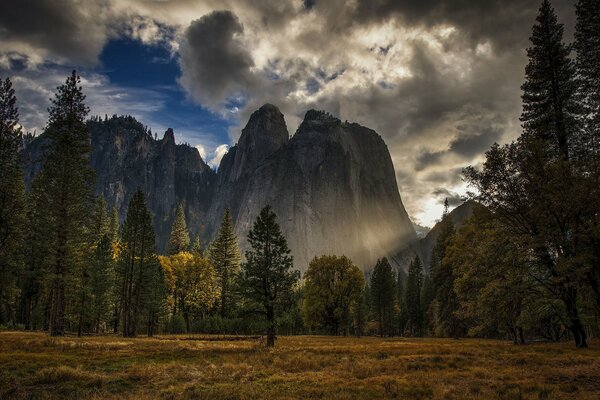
(526, 265)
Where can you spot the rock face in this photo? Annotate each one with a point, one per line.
(126, 157)
(332, 186)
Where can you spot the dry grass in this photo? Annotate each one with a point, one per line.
(33, 366)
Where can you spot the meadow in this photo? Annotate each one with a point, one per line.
(35, 366)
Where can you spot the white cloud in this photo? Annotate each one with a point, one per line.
(218, 154)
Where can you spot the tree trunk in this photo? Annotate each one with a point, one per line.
(576, 327)
(57, 310)
(271, 328)
(521, 336)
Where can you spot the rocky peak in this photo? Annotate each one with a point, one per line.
(264, 134)
(169, 136)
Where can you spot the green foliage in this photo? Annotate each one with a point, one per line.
(226, 258)
(413, 314)
(443, 319)
(332, 294)
(180, 238)
(64, 192)
(267, 278)
(140, 275)
(383, 293)
(12, 204)
(540, 188)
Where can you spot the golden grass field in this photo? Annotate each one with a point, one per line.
(35, 366)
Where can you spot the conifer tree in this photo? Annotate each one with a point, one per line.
(412, 300)
(12, 203)
(196, 246)
(550, 109)
(140, 275)
(180, 238)
(267, 278)
(114, 226)
(445, 304)
(382, 295)
(587, 45)
(225, 256)
(65, 184)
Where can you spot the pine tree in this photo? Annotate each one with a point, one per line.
(180, 238)
(587, 45)
(401, 306)
(114, 226)
(101, 283)
(412, 300)
(65, 184)
(382, 295)
(267, 278)
(12, 203)
(225, 256)
(94, 274)
(550, 109)
(139, 273)
(445, 304)
(196, 247)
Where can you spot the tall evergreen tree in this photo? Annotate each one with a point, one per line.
(382, 296)
(12, 203)
(267, 277)
(114, 226)
(550, 109)
(587, 45)
(412, 300)
(445, 305)
(196, 246)
(65, 184)
(140, 275)
(180, 238)
(225, 256)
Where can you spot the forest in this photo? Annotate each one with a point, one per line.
(525, 267)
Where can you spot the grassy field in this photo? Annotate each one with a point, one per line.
(34, 366)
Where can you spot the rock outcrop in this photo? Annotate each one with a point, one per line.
(332, 185)
(126, 157)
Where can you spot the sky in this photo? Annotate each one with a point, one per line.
(439, 80)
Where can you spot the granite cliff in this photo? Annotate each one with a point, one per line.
(332, 184)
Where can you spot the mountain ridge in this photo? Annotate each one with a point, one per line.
(332, 184)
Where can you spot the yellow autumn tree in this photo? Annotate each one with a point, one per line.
(193, 285)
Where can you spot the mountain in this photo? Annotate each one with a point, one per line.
(424, 246)
(332, 185)
(126, 157)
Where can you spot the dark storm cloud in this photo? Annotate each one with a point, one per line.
(454, 199)
(59, 29)
(506, 23)
(214, 62)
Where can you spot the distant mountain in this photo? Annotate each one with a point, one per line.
(424, 246)
(126, 157)
(332, 185)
